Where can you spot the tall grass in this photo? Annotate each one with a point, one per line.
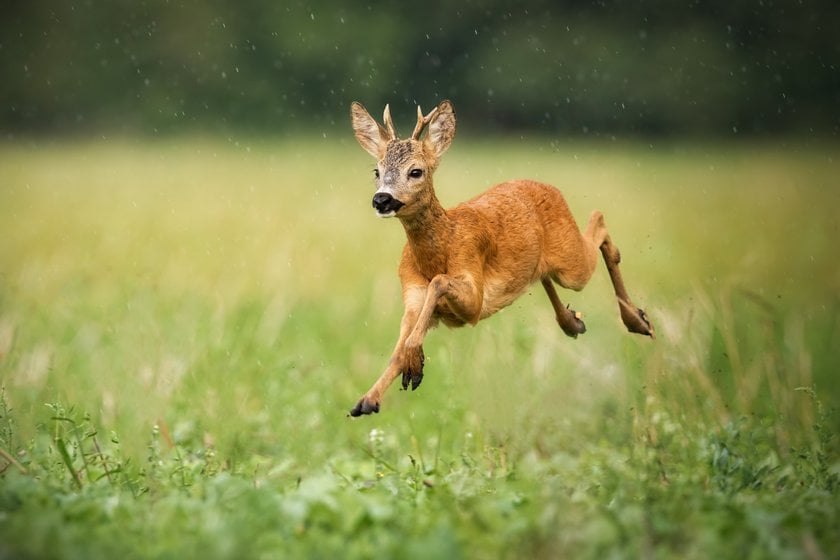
(185, 324)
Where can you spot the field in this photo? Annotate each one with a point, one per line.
(184, 325)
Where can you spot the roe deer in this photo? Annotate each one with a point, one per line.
(464, 264)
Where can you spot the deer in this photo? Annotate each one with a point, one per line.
(464, 264)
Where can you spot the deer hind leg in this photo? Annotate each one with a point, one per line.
(568, 319)
(570, 260)
(633, 317)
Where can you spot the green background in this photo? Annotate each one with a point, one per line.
(580, 67)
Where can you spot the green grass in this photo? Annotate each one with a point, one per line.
(185, 324)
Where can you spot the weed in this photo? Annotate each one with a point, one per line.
(817, 464)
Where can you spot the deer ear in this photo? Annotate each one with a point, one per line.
(370, 134)
(441, 128)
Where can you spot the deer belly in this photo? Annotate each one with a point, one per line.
(499, 294)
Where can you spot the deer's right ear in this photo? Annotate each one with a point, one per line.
(370, 134)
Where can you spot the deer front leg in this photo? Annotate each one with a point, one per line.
(410, 365)
(462, 297)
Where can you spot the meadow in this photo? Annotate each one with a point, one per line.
(185, 324)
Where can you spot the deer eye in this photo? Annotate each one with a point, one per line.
(376, 173)
(415, 173)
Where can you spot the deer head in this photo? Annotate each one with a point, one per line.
(404, 167)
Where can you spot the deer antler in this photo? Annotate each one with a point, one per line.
(389, 124)
(422, 122)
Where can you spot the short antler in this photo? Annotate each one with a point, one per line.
(389, 124)
(422, 122)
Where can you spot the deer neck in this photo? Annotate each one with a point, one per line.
(428, 232)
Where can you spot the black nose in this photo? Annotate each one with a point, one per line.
(381, 200)
(384, 203)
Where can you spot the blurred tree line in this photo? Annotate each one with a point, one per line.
(604, 67)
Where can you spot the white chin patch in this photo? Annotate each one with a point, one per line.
(390, 214)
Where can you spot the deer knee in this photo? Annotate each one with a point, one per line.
(462, 295)
(440, 284)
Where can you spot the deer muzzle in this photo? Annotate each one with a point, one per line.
(385, 204)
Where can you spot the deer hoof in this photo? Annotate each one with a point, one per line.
(412, 377)
(575, 325)
(364, 406)
(635, 319)
(413, 374)
(643, 326)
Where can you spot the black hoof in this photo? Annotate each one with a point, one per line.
(412, 378)
(574, 325)
(635, 319)
(364, 407)
(647, 329)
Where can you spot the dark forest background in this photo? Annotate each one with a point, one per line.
(717, 67)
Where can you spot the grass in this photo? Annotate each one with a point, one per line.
(185, 324)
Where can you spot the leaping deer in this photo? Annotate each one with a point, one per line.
(462, 265)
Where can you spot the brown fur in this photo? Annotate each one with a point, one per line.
(462, 265)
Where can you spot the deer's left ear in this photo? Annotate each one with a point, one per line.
(441, 129)
(371, 135)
